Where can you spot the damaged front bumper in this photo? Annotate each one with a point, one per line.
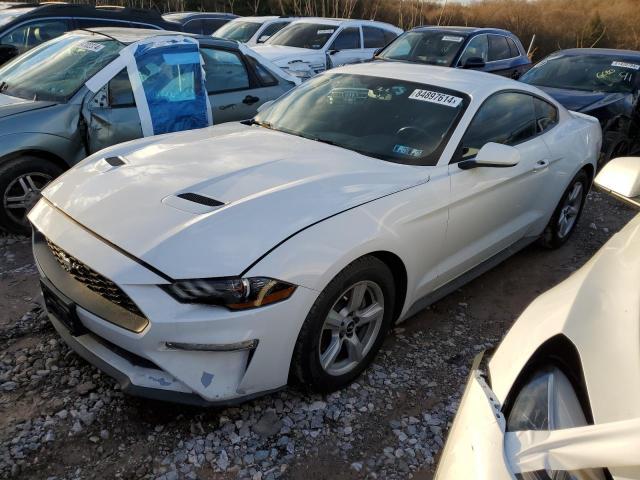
(187, 353)
(475, 444)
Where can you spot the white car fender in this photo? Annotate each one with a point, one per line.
(315, 255)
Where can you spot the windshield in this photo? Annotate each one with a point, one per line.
(56, 70)
(239, 31)
(592, 73)
(9, 15)
(432, 47)
(304, 35)
(389, 119)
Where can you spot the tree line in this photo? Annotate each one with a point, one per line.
(556, 24)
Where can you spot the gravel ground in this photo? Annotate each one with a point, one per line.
(60, 418)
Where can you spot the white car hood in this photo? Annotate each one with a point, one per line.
(272, 185)
(282, 55)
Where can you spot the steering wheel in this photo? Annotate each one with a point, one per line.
(411, 132)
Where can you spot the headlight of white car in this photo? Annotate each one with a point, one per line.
(233, 293)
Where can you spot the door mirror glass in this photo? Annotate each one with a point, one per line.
(621, 178)
(493, 155)
(474, 63)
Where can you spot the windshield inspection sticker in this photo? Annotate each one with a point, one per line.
(91, 46)
(404, 150)
(633, 66)
(436, 97)
(448, 38)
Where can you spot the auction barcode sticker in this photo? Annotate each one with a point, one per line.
(435, 97)
(91, 46)
(633, 66)
(449, 38)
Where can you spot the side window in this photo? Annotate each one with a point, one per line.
(193, 26)
(34, 33)
(265, 76)
(513, 48)
(498, 48)
(120, 92)
(389, 36)
(224, 71)
(478, 47)
(507, 118)
(271, 30)
(546, 115)
(210, 25)
(373, 37)
(347, 39)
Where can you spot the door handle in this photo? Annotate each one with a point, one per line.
(541, 165)
(250, 100)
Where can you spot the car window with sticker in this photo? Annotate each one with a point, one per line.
(591, 73)
(431, 47)
(394, 120)
(303, 35)
(57, 70)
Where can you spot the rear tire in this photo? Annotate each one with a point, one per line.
(345, 327)
(21, 181)
(567, 214)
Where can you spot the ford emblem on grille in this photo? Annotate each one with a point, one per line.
(65, 261)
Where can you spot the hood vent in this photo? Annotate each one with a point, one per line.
(201, 199)
(114, 161)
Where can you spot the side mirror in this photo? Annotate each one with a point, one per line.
(474, 63)
(621, 178)
(492, 155)
(333, 51)
(7, 52)
(378, 51)
(265, 105)
(263, 38)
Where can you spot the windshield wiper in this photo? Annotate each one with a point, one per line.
(253, 121)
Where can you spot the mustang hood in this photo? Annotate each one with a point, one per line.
(581, 101)
(12, 105)
(253, 188)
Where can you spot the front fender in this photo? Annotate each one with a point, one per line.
(12, 144)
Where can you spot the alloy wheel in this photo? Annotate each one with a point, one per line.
(22, 194)
(570, 210)
(351, 328)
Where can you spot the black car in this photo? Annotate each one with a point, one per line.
(203, 23)
(24, 27)
(487, 49)
(603, 83)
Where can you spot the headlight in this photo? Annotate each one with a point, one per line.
(233, 293)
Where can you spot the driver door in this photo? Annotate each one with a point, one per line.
(346, 48)
(493, 208)
(111, 116)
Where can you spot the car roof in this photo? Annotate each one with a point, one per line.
(178, 16)
(105, 11)
(340, 21)
(131, 35)
(462, 30)
(264, 18)
(599, 51)
(478, 85)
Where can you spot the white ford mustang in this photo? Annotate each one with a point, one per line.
(560, 399)
(213, 265)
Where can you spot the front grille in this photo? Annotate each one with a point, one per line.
(93, 280)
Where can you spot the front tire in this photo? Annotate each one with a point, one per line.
(345, 327)
(21, 181)
(565, 218)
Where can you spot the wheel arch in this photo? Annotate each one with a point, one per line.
(43, 154)
(399, 271)
(561, 352)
